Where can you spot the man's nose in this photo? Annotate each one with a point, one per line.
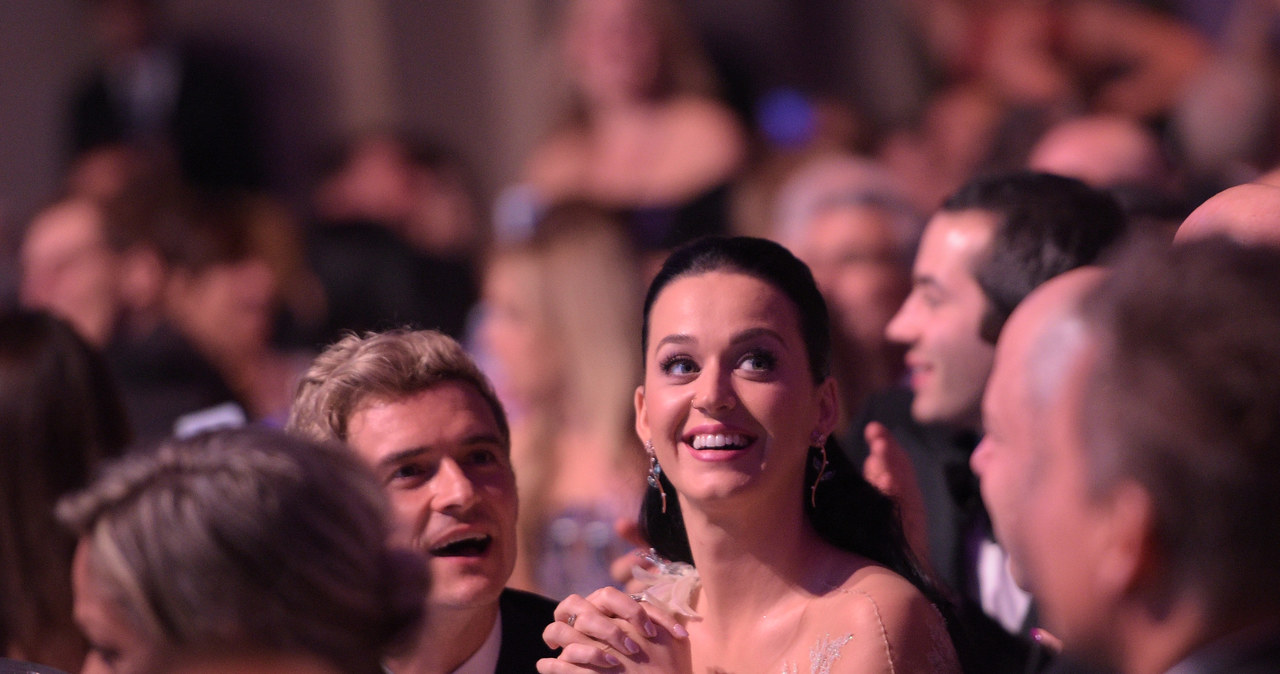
(452, 488)
(901, 329)
(979, 458)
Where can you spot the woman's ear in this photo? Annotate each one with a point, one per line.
(642, 421)
(828, 407)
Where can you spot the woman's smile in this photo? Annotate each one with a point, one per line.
(717, 443)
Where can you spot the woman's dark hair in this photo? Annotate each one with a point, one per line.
(60, 417)
(850, 513)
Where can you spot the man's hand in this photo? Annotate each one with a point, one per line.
(889, 469)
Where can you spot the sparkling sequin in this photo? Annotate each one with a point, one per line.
(822, 655)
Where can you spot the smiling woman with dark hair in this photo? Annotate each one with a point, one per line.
(780, 557)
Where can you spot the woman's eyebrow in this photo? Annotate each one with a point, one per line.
(754, 333)
(678, 338)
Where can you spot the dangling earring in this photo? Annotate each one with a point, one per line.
(821, 444)
(655, 474)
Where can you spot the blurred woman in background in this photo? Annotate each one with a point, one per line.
(560, 321)
(60, 417)
(641, 131)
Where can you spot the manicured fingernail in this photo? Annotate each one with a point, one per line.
(680, 631)
(649, 629)
(630, 646)
(612, 659)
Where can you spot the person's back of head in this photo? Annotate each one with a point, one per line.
(835, 180)
(61, 416)
(1248, 213)
(1104, 151)
(240, 542)
(1185, 401)
(1045, 225)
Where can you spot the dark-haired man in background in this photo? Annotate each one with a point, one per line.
(992, 242)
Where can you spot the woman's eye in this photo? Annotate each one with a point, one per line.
(678, 365)
(758, 361)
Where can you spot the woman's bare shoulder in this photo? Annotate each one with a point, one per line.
(875, 597)
(899, 626)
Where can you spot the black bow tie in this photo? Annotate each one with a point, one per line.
(961, 482)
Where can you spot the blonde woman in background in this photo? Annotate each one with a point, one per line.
(561, 316)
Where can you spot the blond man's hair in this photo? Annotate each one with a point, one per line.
(386, 366)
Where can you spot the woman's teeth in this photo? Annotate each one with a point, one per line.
(719, 441)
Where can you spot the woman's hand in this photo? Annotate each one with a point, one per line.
(611, 631)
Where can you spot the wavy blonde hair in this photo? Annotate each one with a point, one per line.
(389, 365)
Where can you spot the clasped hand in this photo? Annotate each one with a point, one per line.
(611, 631)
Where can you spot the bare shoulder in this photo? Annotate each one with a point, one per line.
(895, 626)
(876, 597)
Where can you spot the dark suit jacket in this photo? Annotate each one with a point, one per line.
(1258, 657)
(8, 666)
(524, 616)
(1255, 657)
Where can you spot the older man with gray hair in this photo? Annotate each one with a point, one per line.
(1141, 509)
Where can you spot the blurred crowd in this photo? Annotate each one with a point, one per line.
(165, 269)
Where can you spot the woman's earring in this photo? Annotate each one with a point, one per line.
(821, 444)
(655, 473)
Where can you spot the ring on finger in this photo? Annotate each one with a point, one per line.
(637, 597)
(573, 617)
